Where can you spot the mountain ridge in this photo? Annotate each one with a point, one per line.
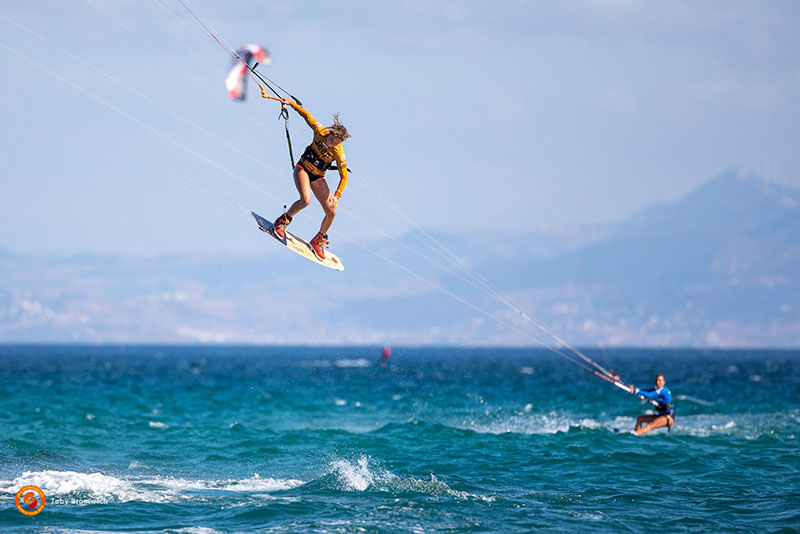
(715, 268)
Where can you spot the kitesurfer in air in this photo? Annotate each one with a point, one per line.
(309, 176)
(665, 411)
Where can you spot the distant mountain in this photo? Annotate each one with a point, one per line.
(722, 263)
(719, 267)
(733, 214)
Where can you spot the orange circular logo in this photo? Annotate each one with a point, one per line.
(30, 500)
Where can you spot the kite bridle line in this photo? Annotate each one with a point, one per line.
(257, 77)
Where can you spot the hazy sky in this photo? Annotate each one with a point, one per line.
(118, 135)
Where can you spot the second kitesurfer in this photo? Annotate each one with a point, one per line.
(665, 411)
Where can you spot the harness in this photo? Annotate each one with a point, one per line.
(661, 408)
(314, 159)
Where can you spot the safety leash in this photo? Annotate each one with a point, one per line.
(285, 115)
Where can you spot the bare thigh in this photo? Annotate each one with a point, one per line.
(303, 184)
(645, 419)
(323, 193)
(653, 422)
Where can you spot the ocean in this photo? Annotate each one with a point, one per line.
(227, 439)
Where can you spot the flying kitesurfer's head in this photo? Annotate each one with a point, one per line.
(660, 381)
(338, 133)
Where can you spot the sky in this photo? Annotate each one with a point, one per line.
(467, 116)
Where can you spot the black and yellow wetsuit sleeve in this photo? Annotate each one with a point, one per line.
(341, 164)
(314, 123)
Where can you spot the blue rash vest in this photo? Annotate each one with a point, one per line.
(662, 396)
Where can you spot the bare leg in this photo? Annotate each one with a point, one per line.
(303, 185)
(653, 422)
(323, 194)
(643, 420)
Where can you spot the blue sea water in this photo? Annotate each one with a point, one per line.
(204, 440)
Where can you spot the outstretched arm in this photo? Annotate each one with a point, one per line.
(649, 394)
(314, 123)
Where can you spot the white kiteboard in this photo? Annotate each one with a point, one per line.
(298, 245)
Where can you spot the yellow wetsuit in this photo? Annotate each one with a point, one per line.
(318, 155)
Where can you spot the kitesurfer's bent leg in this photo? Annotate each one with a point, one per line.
(323, 194)
(643, 420)
(652, 422)
(303, 184)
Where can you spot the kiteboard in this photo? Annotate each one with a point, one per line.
(301, 246)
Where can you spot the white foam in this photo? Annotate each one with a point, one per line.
(355, 477)
(434, 486)
(598, 516)
(360, 362)
(252, 484)
(528, 423)
(363, 474)
(138, 465)
(97, 485)
(590, 424)
(315, 363)
(703, 426)
(193, 530)
(158, 424)
(138, 488)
